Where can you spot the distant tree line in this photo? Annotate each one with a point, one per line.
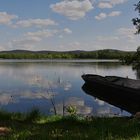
(100, 54)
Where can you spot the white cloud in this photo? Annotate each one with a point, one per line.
(67, 30)
(25, 42)
(31, 38)
(35, 22)
(6, 18)
(75, 45)
(114, 13)
(103, 5)
(60, 36)
(115, 2)
(73, 10)
(2, 47)
(102, 16)
(110, 3)
(122, 38)
(42, 33)
(127, 33)
(107, 38)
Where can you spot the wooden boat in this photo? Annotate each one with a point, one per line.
(121, 92)
(115, 83)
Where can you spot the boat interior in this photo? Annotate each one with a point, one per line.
(124, 81)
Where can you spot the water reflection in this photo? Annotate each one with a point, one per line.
(78, 103)
(24, 85)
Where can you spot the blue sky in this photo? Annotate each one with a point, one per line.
(67, 25)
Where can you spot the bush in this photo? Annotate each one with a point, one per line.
(34, 115)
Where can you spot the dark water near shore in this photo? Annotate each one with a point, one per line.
(34, 84)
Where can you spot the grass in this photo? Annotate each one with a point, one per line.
(35, 126)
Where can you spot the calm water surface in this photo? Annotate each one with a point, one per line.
(27, 84)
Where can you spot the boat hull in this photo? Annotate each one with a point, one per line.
(109, 86)
(123, 97)
(121, 100)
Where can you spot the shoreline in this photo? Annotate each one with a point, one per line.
(69, 127)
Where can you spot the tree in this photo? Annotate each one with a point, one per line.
(136, 21)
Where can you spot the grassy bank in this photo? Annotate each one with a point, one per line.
(34, 126)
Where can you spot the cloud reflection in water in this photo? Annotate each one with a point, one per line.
(79, 103)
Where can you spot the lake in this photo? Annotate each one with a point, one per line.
(28, 84)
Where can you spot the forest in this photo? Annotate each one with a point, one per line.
(98, 54)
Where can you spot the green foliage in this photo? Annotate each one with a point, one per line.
(5, 115)
(99, 54)
(67, 129)
(136, 60)
(72, 110)
(133, 59)
(136, 21)
(58, 127)
(128, 59)
(32, 116)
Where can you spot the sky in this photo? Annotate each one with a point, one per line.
(63, 25)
